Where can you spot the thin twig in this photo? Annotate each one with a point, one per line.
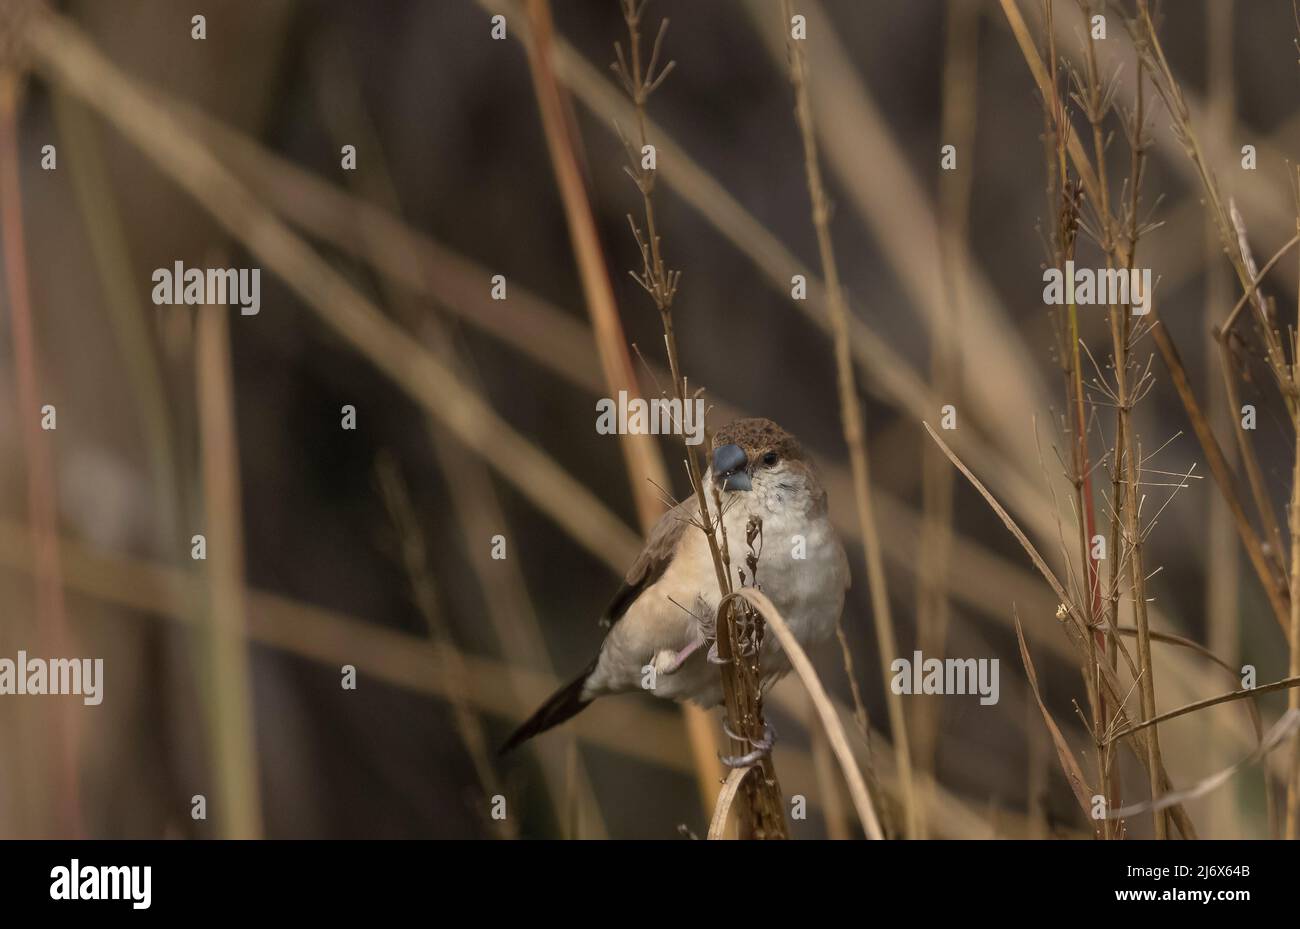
(764, 810)
(1284, 684)
(854, 430)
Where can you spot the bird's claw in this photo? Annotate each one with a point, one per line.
(713, 655)
(762, 747)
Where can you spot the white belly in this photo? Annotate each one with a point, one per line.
(801, 567)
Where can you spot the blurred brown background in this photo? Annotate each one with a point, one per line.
(343, 566)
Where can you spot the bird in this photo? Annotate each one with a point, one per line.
(661, 616)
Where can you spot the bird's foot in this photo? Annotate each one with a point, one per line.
(675, 660)
(762, 747)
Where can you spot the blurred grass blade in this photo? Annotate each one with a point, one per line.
(1069, 765)
(227, 681)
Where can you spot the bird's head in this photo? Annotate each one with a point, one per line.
(758, 456)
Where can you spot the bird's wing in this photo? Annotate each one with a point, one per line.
(653, 561)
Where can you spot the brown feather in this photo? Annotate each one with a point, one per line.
(653, 561)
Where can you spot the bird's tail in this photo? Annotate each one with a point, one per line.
(562, 705)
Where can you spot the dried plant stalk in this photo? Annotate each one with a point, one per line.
(1274, 587)
(763, 812)
(331, 639)
(1069, 766)
(957, 123)
(644, 466)
(726, 800)
(886, 373)
(1293, 698)
(854, 437)
(1073, 622)
(67, 58)
(1290, 684)
(477, 506)
(42, 501)
(830, 720)
(1284, 371)
(1125, 505)
(548, 336)
(228, 677)
(408, 538)
(1064, 201)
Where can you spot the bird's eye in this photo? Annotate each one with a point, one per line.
(769, 459)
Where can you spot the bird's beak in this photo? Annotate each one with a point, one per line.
(729, 468)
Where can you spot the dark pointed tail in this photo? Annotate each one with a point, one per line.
(564, 704)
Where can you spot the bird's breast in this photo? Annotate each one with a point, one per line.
(801, 566)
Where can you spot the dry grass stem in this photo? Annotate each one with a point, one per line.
(409, 541)
(763, 810)
(38, 461)
(892, 201)
(332, 639)
(829, 719)
(404, 305)
(851, 417)
(1288, 683)
(1216, 460)
(1073, 622)
(535, 328)
(644, 465)
(726, 799)
(228, 678)
(957, 127)
(1069, 766)
(885, 372)
(69, 60)
(477, 507)
(548, 336)
(1283, 729)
